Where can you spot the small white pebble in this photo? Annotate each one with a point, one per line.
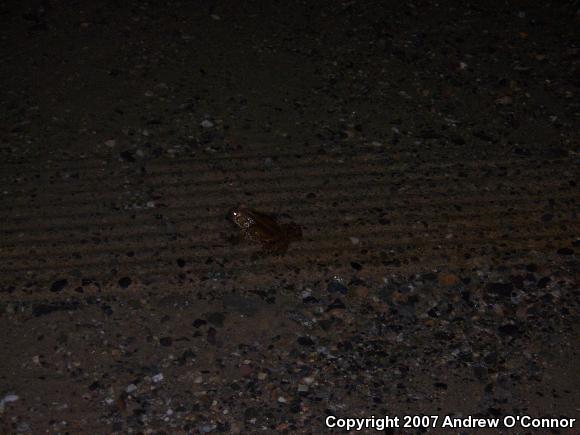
(206, 123)
(282, 399)
(157, 378)
(262, 376)
(131, 388)
(354, 240)
(8, 398)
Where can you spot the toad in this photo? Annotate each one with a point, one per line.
(263, 228)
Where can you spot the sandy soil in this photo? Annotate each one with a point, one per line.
(429, 151)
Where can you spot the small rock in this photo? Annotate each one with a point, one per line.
(157, 378)
(508, 329)
(500, 288)
(448, 280)
(198, 323)
(543, 282)
(125, 282)
(58, 285)
(23, 426)
(131, 388)
(305, 341)
(127, 156)
(206, 428)
(165, 341)
(206, 123)
(7, 399)
(95, 386)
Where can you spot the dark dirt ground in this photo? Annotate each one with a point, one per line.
(429, 150)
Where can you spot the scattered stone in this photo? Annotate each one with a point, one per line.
(305, 341)
(355, 265)
(500, 288)
(125, 282)
(59, 285)
(7, 399)
(543, 282)
(448, 280)
(127, 156)
(199, 322)
(508, 330)
(165, 341)
(157, 378)
(131, 388)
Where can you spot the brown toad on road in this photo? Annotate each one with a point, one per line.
(263, 228)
